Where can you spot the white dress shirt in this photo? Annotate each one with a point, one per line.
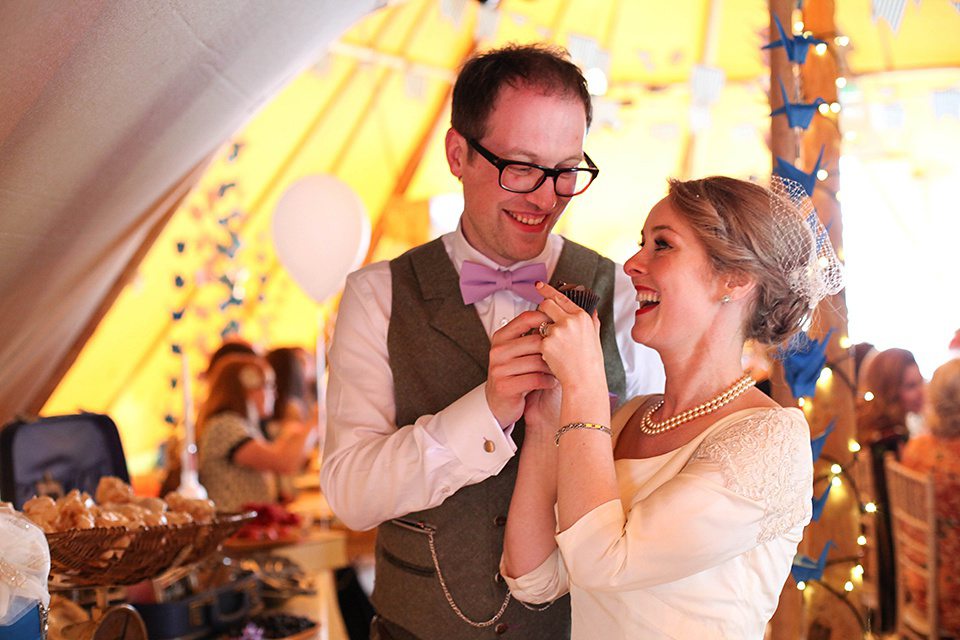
(373, 469)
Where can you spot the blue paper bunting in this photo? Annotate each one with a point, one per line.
(177, 314)
(808, 181)
(796, 47)
(889, 10)
(803, 363)
(799, 114)
(946, 102)
(818, 503)
(816, 445)
(805, 569)
(181, 246)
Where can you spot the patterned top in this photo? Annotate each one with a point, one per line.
(941, 456)
(700, 542)
(228, 484)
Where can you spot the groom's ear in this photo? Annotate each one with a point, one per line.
(456, 150)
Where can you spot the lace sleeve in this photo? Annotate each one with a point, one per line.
(767, 458)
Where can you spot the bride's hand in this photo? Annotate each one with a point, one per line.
(542, 413)
(571, 346)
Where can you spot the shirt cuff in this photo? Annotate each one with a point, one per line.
(473, 434)
(544, 584)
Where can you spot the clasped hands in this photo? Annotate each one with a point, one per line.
(527, 370)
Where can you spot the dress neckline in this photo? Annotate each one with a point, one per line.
(695, 442)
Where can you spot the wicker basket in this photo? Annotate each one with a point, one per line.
(116, 556)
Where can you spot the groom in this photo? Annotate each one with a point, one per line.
(431, 364)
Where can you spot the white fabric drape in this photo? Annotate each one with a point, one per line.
(104, 106)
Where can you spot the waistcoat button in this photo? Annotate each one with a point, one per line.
(500, 521)
(501, 628)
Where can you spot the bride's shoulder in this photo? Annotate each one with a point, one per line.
(774, 430)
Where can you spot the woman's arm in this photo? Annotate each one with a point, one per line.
(286, 454)
(585, 471)
(531, 521)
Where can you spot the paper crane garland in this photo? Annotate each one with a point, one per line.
(803, 364)
(796, 46)
(819, 503)
(799, 114)
(808, 181)
(816, 445)
(805, 569)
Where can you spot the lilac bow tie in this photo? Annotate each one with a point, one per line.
(478, 281)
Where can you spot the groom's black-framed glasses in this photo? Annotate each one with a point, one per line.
(526, 177)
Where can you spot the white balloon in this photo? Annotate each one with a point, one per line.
(321, 232)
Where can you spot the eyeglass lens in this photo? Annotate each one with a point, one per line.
(522, 178)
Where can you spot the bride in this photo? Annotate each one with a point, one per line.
(681, 516)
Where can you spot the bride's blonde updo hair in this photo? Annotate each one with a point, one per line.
(765, 235)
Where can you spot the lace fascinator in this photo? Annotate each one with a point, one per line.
(820, 274)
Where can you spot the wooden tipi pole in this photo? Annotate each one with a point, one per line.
(826, 608)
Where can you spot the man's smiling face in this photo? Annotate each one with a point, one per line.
(528, 126)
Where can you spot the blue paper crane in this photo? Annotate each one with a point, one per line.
(230, 328)
(230, 250)
(808, 181)
(803, 364)
(796, 47)
(805, 569)
(816, 445)
(819, 503)
(799, 114)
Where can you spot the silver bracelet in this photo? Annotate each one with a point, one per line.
(580, 425)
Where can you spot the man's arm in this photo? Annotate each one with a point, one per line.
(374, 469)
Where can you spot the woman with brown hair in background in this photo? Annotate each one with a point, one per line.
(891, 387)
(237, 463)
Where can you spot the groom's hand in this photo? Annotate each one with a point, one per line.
(516, 367)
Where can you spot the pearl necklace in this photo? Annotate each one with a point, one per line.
(652, 428)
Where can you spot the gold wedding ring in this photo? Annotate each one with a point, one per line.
(543, 328)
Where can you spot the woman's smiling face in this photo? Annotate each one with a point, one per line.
(677, 289)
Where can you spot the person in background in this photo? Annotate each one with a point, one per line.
(432, 360)
(685, 525)
(293, 399)
(890, 389)
(237, 463)
(292, 406)
(173, 449)
(938, 452)
(863, 355)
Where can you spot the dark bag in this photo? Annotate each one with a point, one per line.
(204, 613)
(51, 456)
